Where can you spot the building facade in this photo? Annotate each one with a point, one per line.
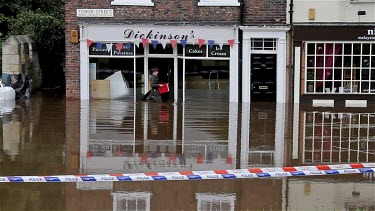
(334, 45)
(196, 44)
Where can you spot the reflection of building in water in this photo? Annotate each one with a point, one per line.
(312, 194)
(131, 201)
(262, 135)
(210, 201)
(161, 137)
(337, 137)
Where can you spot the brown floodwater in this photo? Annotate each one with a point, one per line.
(53, 136)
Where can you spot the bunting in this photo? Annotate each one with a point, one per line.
(154, 43)
(163, 43)
(136, 43)
(119, 46)
(183, 43)
(173, 43)
(99, 45)
(144, 42)
(201, 42)
(109, 47)
(220, 43)
(211, 43)
(231, 43)
(128, 45)
(89, 42)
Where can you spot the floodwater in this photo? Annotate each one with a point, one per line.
(51, 136)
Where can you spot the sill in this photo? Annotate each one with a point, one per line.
(134, 3)
(218, 4)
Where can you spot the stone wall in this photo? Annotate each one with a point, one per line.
(19, 56)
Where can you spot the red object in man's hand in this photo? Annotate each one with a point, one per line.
(164, 88)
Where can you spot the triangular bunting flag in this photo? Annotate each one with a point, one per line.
(220, 43)
(109, 47)
(164, 43)
(89, 42)
(173, 43)
(231, 43)
(154, 43)
(128, 45)
(119, 46)
(201, 42)
(193, 41)
(211, 43)
(136, 43)
(99, 45)
(183, 43)
(144, 42)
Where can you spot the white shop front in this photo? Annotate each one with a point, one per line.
(198, 62)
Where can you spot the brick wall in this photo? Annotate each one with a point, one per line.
(164, 11)
(260, 12)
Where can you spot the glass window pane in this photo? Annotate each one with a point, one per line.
(357, 49)
(337, 74)
(372, 87)
(373, 49)
(311, 48)
(310, 61)
(365, 49)
(365, 74)
(310, 74)
(320, 61)
(348, 49)
(347, 61)
(338, 48)
(372, 74)
(365, 61)
(372, 61)
(365, 87)
(356, 61)
(338, 61)
(320, 48)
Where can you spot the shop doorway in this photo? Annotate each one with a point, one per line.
(263, 77)
(166, 74)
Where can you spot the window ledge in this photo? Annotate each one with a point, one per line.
(219, 4)
(133, 3)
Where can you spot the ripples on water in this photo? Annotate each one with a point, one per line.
(50, 136)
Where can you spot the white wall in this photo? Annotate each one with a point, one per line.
(334, 10)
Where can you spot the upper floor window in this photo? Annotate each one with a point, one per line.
(218, 3)
(133, 2)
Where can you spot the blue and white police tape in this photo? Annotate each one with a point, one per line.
(172, 176)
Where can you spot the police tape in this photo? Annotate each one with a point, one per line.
(170, 176)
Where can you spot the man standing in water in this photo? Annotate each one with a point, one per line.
(154, 82)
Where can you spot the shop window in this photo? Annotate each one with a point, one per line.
(218, 3)
(133, 2)
(263, 44)
(340, 68)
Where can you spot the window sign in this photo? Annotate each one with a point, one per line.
(195, 51)
(100, 49)
(123, 49)
(215, 51)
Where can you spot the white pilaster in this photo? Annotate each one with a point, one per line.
(232, 133)
(233, 70)
(84, 64)
(281, 70)
(246, 78)
(279, 134)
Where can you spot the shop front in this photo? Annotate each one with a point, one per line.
(198, 63)
(334, 65)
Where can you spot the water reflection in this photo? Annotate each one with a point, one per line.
(49, 136)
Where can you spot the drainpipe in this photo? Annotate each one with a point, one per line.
(291, 47)
(240, 56)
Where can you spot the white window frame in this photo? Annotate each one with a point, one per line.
(353, 82)
(132, 196)
(148, 3)
(215, 198)
(222, 3)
